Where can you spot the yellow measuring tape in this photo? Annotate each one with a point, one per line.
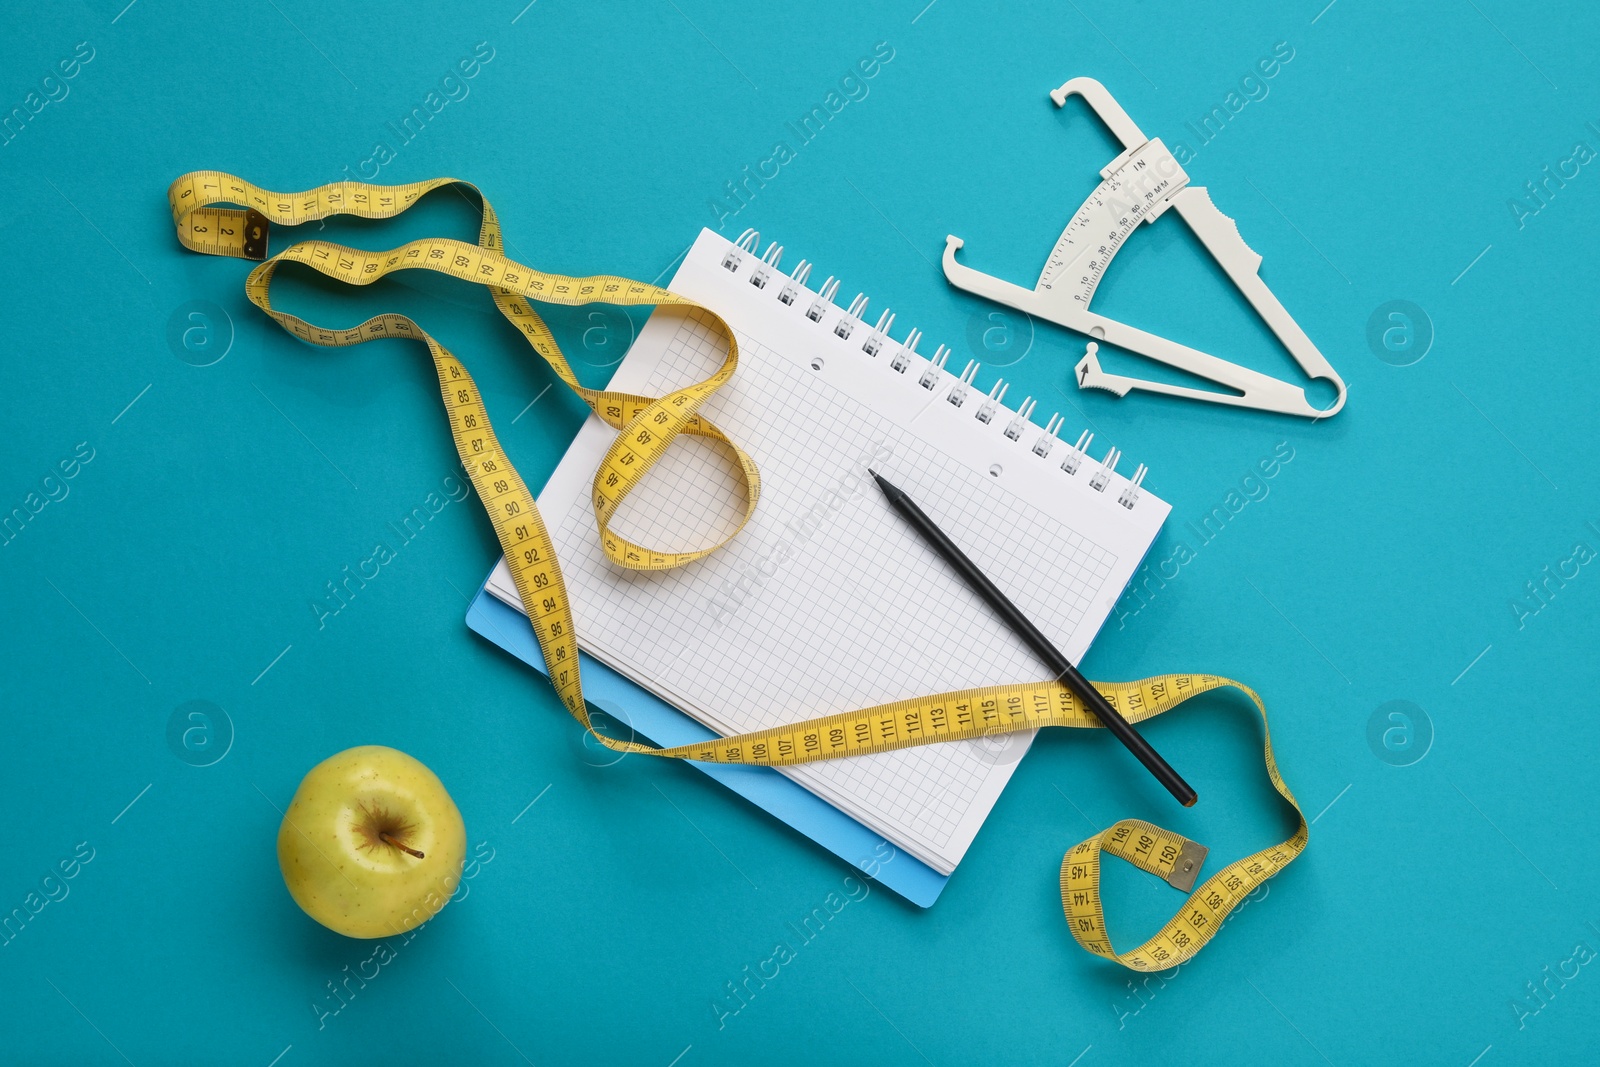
(647, 427)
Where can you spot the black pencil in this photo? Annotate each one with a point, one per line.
(1065, 672)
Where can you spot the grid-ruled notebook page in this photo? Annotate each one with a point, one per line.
(826, 601)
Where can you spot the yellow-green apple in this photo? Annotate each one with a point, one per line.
(371, 845)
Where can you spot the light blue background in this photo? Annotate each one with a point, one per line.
(1381, 564)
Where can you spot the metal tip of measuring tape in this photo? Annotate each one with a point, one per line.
(1187, 867)
(256, 228)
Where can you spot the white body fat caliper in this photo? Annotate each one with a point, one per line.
(1139, 186)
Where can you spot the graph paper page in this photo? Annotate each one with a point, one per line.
(827, 601)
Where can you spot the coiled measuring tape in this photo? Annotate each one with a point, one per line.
(647, 427)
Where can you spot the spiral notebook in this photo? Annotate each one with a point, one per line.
(827, 601)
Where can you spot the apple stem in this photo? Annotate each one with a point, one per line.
(403, 848)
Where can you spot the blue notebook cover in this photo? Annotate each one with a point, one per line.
(764, 787)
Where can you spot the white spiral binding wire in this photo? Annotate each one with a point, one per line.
(958, 391)
(878, 337)
(1102, 474)
(908, 348)
(1130, 495)
(825, 295)
(1077, 453)
(762, 273)
(930, 377)
(847, 322)
(879, 334)
(1019, 421)
(1047, 440)
(996, 396)
(748, 241)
